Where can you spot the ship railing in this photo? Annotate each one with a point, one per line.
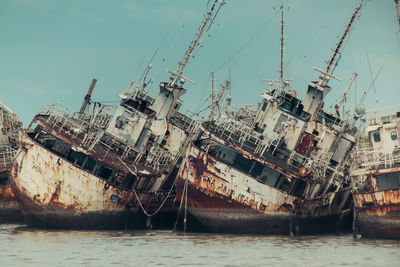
(87, 133)
(184, 122)
(7, 155)
(156, 159)
(239, 134)
(369, 158)
(297, 160)
(100, 118)
(116, 145)
(325, 117)
(383, 114)
(135, 91)
(132, 90)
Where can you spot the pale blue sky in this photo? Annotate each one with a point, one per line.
(51, 49)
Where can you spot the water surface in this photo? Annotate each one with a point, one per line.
(21, 246)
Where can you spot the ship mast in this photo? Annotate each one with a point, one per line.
(86, 100)
(165, 103)
(282, 46)
(176, 75)
(398, 11)
(346, 92)
(328, 72)
(216, 101)
(283, 82)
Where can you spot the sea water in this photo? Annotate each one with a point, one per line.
(22, 246)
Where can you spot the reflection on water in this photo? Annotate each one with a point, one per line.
(24, 246)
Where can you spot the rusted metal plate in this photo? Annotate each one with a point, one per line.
(224, 199)
(47, 186)
(373, 226)
(9, 210)
(378, 214)
(378, 202)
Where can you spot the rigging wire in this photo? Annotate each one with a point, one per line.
(172, 44)
(248, 41)
(373, 81)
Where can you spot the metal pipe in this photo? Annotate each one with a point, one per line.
(87, 97)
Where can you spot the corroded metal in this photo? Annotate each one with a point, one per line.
(223, 199)
(378, 214)
(9, 210)
(52, 189)
(279, 170)
(111, 167)
(376, 177)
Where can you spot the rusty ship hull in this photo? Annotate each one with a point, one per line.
(376, 177)
(225, 200)
(377, 213)
(111, 166)
(55, 193)
(9, 209)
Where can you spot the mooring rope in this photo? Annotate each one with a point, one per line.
(184, 192)
(137, 197)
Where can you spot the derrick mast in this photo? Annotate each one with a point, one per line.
(313, 100)
(166, 101)
(398, 11)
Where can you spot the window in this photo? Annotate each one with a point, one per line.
(89, 164)
(243, 164)
(393, 134)
(270, 176)
(377, 137)
(264, 106)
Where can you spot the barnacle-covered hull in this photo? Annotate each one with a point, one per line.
(225, 200)
(54, 193)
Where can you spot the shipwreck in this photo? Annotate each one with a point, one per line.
(107, 167)
(281, 169)
(10, 134)
(376, 177)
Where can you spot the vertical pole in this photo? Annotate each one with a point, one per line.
(398, 11)
(282, 44)
(212, 88)
(87, 97)
(186, 192)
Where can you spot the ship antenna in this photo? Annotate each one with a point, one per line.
(328, 72)
(282, 80)
(373, 81)
(398, 11)
(212, 88)
(282, 45)
(346, 92)
(218, 98)
(177, 75)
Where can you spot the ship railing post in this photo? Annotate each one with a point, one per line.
(4, 158)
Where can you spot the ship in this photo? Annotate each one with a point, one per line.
(10, 134)
(376, 176)
(108, 167)
(282, 169)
